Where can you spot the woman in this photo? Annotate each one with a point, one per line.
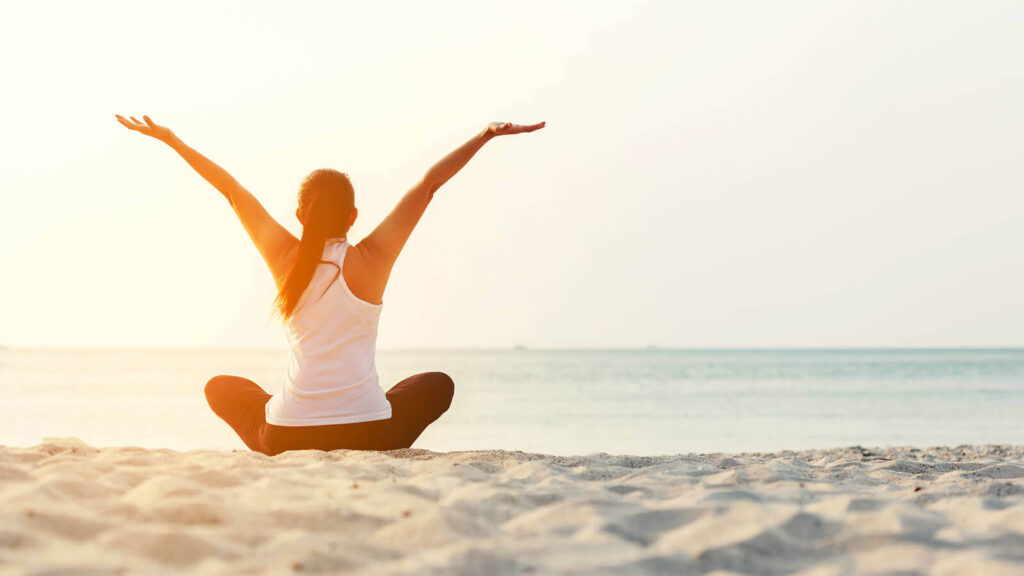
(329, 293)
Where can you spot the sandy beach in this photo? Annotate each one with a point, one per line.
(65, 505)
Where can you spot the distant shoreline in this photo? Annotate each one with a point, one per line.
(521, 348)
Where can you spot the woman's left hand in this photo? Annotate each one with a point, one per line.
(149, 128)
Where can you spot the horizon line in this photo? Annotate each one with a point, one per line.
(525, 348)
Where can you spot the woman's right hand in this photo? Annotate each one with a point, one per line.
(507, 128)
(149, 128)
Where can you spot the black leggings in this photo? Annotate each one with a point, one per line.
(415, 403)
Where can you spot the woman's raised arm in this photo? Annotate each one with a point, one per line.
(381, 248)
(273, 241)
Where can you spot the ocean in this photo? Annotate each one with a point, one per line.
(643, 402)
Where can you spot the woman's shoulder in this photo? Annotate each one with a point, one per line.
(364, 279)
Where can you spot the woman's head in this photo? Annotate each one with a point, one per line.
(327, 195)
(326, 210)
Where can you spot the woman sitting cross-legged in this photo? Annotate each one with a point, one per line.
(329, 293)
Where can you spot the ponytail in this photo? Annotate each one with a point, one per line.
(326, 200)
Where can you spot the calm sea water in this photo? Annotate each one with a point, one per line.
(555, 401)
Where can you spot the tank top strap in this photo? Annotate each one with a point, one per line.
(334, 250)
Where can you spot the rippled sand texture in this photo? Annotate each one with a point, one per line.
(846, 511)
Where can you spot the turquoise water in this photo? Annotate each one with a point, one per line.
(556, 401)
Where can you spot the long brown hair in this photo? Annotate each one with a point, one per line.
(326, 201)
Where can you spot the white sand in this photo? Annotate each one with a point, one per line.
(66, 505)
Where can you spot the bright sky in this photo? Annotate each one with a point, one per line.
(712, 174)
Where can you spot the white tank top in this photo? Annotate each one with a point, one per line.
(332, 336)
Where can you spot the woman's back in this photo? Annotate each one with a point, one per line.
(332, 335)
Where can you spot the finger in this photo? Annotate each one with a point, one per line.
(136, 120)
(125, 123)
(532, 127)
(149, 122)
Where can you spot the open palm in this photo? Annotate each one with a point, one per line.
(506, 128)
(148, 127)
